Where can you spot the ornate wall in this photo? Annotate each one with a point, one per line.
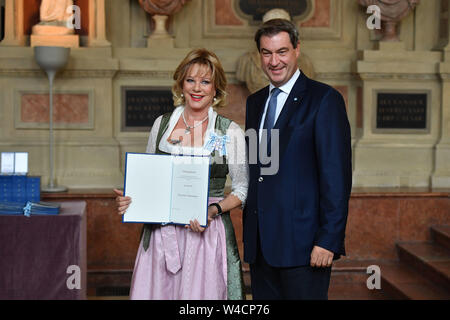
(115, 52)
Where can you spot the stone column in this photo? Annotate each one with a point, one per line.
(14, 33)
(97, 33)
(394, 150)
(397, 157)
(441, 176)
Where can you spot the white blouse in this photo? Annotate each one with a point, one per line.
(235, 148)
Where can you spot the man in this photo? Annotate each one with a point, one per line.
(294, 220)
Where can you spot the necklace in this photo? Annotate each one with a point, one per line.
(189, 128)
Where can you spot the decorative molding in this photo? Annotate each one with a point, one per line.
(247, 30)
(42, 141)
(400, 76)
(89, 73)
(331, 32)
(167, 75)
(348, 76)
(35, 73)
(309, 12)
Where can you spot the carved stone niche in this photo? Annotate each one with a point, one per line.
(22, 15)
(253, 11)
(160, 11)
(392, 12)
(55, 27)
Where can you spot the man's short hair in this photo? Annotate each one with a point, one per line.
(275, 26)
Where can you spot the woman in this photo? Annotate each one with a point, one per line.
(192, 262)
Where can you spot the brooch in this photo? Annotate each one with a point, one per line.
(218, 143)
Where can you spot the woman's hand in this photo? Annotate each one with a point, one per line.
(195, 225)
(122, 202)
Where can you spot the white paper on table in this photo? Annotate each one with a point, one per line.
(7, 163)
(166, 189)
(21, 163)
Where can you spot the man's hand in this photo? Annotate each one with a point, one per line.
(321, 257)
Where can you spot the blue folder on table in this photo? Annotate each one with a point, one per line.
(29, 208)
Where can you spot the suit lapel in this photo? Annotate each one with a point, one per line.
(290, 108)
(292, 103)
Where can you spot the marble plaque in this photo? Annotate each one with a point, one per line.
(402, 111)
(142, 105)
(71, 110)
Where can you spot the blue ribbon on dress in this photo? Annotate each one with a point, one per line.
(218, 143)
(27, 209)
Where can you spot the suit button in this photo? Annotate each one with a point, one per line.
(261, 179)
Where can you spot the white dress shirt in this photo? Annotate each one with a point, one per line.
(281, 99)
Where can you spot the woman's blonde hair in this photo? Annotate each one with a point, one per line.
(205, 58)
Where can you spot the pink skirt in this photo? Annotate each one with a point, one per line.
(180, 264)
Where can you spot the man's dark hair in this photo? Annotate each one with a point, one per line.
(275, 26)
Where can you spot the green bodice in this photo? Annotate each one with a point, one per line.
(218, 167)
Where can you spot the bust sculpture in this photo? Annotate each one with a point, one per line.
(249, 65)
(160, 10)
(162, 7)
(54, 15)
(392, 12)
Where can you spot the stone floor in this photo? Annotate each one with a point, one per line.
(347, 283)
(421, 272)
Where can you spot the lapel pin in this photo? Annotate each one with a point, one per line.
(295, 99)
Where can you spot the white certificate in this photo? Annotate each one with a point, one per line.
(166, 189)
(21, 163)
(14, 163)
(7, 163)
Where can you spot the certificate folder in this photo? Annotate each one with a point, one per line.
(166, 189)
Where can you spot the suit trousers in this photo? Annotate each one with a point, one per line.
(292, 283)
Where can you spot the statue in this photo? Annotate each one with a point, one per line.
(55, 28)
(249, 65)
(162, 7)
(392, 11)
(161, 10)
(54, 15)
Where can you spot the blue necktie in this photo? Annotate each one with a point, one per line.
(269, 122)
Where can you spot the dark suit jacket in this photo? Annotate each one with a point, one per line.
(306, 202)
